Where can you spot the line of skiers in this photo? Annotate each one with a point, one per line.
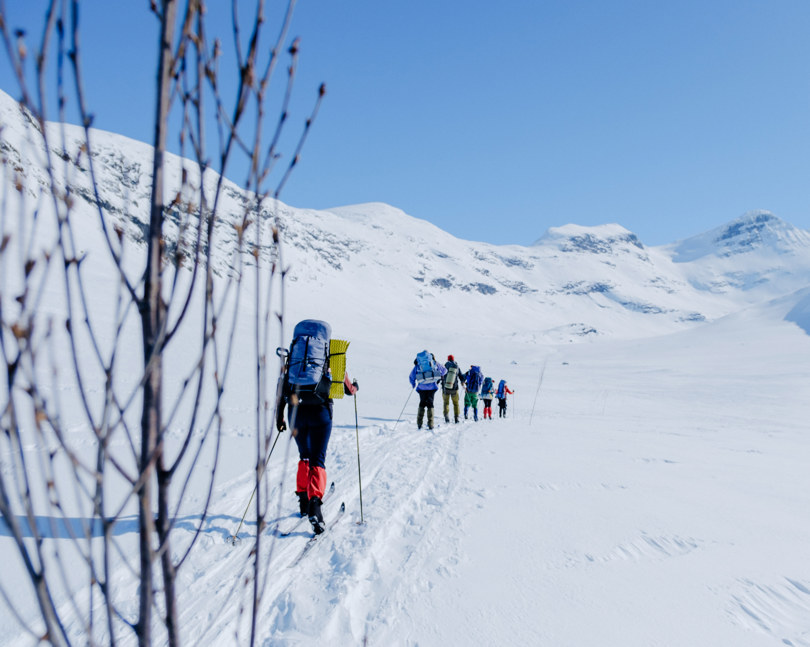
(315, 373)
(427, 374)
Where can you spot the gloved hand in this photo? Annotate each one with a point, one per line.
(354, 384)
(281, 425)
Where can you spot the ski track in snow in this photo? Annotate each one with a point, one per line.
(356, 576)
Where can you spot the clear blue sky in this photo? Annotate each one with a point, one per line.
(497, 120)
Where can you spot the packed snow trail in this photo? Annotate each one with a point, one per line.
(354, 575)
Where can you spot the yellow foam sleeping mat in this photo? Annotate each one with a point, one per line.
(337, 366)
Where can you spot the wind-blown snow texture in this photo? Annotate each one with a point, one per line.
(649, 487)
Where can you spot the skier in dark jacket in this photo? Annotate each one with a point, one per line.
(450, 387)
(427, 391)
(501, 395)
(312, 426)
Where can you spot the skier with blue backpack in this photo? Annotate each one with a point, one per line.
(307, 387)
(424, 377)
(487, 393)
(473, 379)
(503, 390)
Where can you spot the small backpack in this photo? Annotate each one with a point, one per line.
(308, 362)
(426, 370)
(450, 378)
(501, 389)
(474, 379)
(489, 387)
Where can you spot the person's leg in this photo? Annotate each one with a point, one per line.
(319, 430)
(302, 475)
(429, 396)
(425, 401)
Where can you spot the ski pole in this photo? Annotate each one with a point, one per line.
(539, 384)
(403, 408)
(359, 478)
(252, 494)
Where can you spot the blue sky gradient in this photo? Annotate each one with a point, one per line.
(496, 121)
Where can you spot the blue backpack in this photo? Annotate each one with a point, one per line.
(501, 389)
(474, 379)
(308, 362)
(489, 387)
(426, 369)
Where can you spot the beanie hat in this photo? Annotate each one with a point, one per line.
(451, 358)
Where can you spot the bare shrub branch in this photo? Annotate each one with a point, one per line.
(123, 328)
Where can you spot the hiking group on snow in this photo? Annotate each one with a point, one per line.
(306, 389)
(427, 374)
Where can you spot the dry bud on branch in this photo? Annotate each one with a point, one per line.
(19, 332)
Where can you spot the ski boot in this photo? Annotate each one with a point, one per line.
(303, 503)
(316, 516)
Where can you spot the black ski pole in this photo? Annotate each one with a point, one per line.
(403, 409)
(252, 494)
(359, 477)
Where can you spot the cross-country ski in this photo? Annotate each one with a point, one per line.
(311, 542)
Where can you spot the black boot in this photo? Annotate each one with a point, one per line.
(303, 503)
(315, 515)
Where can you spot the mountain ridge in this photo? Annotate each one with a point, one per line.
(594, 281)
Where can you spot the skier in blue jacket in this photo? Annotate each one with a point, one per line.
(427, 391)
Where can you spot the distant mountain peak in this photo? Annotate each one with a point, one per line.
(754, 230)
(750, 228)
(601, 239)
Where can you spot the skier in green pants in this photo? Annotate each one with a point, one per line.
(450, 387)
(473, 379)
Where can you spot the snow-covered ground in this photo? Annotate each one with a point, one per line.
(651, 492)
(648, 487)
(658, 497)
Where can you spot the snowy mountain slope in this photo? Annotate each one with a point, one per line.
(573, 283)
(746, 257)
(647, 490)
